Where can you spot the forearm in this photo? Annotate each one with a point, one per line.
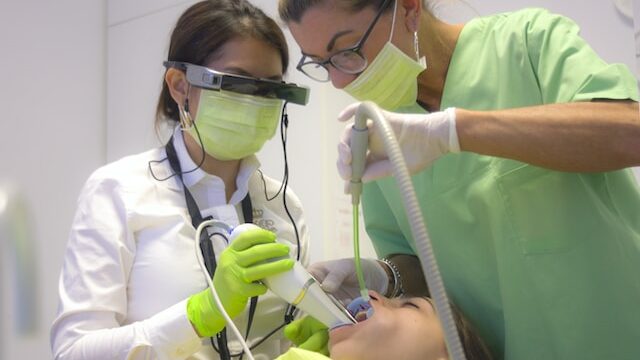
(577, 137)
(95, 335)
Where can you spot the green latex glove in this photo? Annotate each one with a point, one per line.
(250, 257)
(309, 334)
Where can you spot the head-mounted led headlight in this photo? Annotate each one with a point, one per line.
(206, 78)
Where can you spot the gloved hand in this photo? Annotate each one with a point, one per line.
(339, 278)
(309, 334)
(423, 138)
(240, 265)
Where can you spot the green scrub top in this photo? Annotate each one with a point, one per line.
(545, 264)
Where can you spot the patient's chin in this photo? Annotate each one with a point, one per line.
(342, 351)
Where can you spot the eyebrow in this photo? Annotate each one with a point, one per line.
(335, 37)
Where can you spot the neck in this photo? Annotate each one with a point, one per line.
(225, 170)
(437, 41)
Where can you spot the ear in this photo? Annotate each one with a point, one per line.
(411, 11)
(177, 84)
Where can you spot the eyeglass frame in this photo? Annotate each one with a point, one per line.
(356, 49)
(205, 78)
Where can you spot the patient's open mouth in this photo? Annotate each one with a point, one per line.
(360, 309)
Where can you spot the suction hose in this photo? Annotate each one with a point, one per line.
(369, 110)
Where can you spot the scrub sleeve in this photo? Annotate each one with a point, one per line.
(544, 263)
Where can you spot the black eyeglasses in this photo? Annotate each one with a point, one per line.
(350, 61)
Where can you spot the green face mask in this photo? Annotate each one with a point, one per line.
(233, 126)
(391, 79)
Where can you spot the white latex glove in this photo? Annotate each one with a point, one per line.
(339, 278)
(423, 138)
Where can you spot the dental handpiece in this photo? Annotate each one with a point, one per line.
(359, 145)
(299, 288)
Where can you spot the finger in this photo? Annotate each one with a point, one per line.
(265, 270)
(252, 237)
(316, 342)
(344, 170)
(304, 328)
(319, 270)
(347, 133)
(292, 331)
(333, 280)
(348, 112)
(377, 170)
(261, 252)
(344, 149)
(347, 188)
(253, 289)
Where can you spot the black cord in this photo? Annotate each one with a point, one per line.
(182, 172)
(288, 319)
(284, 126)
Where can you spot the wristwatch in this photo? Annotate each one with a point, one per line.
(394, 288)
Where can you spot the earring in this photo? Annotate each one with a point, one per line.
(185, 118)
(421, 60)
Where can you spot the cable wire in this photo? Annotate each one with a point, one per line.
(216, 298)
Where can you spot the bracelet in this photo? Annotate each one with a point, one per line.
(397, 279)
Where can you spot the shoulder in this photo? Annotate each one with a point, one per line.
(526, 22)
(526, 17)
(129, 172)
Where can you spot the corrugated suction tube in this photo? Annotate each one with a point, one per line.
(369, 110)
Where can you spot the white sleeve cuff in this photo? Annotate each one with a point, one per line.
(454, 142)
(171, 333)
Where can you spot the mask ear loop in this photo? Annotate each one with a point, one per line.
(421, 60)
(393, 20)
(186, 122)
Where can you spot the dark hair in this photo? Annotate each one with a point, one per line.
(293, 10)
(205, 27)
(473, 345)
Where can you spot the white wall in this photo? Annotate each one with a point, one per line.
(52, 101)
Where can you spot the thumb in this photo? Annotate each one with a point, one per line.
(377, 170)
(333, 280)
(344, 161)
(317, 342)
(347, 187)
(348, 112)
(292, 331)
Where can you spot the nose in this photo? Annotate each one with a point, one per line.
(340, 79)
(375, 296)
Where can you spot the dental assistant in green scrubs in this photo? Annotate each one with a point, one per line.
(519, 138)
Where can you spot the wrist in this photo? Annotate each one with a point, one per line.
(454, 142)
(203, 315)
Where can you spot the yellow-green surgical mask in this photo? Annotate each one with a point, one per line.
(233, 126)
(391, 79)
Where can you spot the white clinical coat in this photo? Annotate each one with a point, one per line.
(130, 264)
